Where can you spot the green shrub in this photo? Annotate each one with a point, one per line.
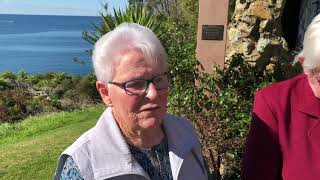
(219, 104)
(22, 75)
(23, 95)
(133, 13)
(8, 75)
(232, 4)
(5, 84)
(13, 104)
(34, 78)
(34, 105)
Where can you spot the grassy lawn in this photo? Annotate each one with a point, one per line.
(30, 149)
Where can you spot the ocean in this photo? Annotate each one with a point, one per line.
(40, 44)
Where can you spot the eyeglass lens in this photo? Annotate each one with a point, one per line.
(139, 86)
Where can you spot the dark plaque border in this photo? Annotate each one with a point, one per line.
(212, 32)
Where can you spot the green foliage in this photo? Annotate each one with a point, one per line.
(8, 75)
(135, 13)
(220, 105)
(21, 75)
(170, 8)
(10, 132)
(182, 64)
(190, 11)
(34, 105)
(5, 84)
(87, 87)
(13, 104)
(232, 5)
(34, 78)
(23, 95)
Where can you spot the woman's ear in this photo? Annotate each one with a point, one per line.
(104, 93)
(301, 59)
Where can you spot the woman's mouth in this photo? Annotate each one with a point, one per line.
(152, 108)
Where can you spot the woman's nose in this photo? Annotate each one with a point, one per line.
(151, 91)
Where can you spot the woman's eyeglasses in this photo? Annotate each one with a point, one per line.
(140, 86)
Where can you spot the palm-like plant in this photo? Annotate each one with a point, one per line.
(135, 13)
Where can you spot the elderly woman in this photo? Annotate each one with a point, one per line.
(134, 138)
(284, 138)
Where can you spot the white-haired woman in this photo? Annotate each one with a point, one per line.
(284, 137)
(134, 138)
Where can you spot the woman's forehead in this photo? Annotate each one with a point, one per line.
(135, 59)
(135, 65)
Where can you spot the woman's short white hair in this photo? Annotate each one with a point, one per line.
(311, 45)
(109, 49)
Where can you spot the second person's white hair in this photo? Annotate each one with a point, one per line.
(311, 45)
(127, 36)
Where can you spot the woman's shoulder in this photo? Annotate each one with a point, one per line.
(284, 87)
(70, 157)
(80, 144)
(85, 139)
(178, 121)
(179, 127)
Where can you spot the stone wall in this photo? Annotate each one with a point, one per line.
(255, 33)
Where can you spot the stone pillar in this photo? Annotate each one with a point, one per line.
(211, 37)
(255, 33)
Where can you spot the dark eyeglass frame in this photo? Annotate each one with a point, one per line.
(149, 81)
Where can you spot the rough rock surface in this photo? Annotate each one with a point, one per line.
(255, 33)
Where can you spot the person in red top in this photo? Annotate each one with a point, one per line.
(284, 138)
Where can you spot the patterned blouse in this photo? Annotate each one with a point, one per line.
(154, 161)
(70, 170)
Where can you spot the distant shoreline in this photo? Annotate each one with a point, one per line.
(44, 73)
(45, 43)
(50, 15)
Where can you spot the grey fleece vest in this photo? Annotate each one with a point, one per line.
(102, 153)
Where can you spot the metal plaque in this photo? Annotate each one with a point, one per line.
(212, 32)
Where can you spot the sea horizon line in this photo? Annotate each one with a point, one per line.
(52, 15)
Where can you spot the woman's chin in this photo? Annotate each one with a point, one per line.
(151, 123)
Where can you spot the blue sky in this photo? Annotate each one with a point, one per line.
(57, 7)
